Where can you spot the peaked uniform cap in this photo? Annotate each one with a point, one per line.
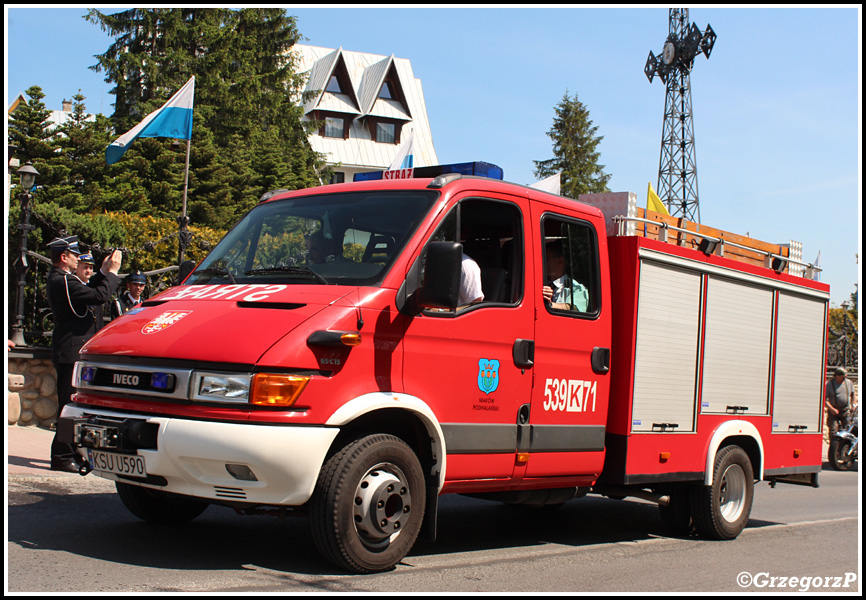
(136, 277)
(64, 244)
(86, 258)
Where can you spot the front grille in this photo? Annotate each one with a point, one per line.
(135, 380)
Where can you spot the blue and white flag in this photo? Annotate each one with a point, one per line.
(173, 120)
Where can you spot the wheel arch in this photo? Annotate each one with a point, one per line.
(400, 415)
(736, 433)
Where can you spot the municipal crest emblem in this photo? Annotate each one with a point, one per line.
(164, 321)
(488, 375)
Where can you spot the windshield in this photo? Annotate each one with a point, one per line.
(341, 239)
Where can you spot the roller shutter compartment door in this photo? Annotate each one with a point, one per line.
(666, 349)
(736, 375)
(798, 384)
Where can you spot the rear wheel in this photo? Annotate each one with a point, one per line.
(368, 504)
(155, 506)
(721, 510)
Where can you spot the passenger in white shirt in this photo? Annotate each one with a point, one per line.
(470, 282)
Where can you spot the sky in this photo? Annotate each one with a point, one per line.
(777, 107)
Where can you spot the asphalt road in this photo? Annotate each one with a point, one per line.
(71, 534)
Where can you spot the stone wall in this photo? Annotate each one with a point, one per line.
(32, 387)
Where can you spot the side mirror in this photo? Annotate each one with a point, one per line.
(441, 286)
(186, 267)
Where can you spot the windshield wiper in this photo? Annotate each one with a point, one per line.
(217, 271)
(291, 270)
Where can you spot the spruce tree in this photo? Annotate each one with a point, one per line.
(247, 131)
(29, 129)
(575, 151)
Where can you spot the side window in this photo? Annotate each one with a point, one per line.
(491, 232)
(571, 284)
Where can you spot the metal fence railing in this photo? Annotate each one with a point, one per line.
(38, 320)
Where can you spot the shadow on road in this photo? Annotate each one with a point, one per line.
(98, 526)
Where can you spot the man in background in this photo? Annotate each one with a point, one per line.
(132, 297)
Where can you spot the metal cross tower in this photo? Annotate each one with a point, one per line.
(678, 172)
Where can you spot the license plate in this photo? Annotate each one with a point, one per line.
(130, 465)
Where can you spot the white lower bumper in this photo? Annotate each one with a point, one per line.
(192, 457)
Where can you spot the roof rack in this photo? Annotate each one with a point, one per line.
(715, 244)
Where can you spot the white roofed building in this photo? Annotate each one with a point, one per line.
(370, 104)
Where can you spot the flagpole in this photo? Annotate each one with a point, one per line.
(183, 238)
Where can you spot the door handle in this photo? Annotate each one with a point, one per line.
(523, 353)
(600, 360)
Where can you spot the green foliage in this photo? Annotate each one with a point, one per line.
(247, 134)
(247, 139)
(846, 320)
(575, 151)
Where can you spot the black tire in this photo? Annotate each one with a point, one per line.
(155, 506)
(677, 515)
(721, 510)
(368, 504)
(837, 455)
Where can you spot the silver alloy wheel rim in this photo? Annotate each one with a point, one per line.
(732, 493)
(382, 505)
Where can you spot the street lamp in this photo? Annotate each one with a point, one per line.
(28, 179)
(847, 326)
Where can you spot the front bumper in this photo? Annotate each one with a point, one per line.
(189, 457)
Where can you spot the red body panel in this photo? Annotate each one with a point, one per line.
(441, 359)
(653, 456)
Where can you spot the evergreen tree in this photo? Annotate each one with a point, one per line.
(247, 131)
(81, 142)
(29, 129)
(574, 150)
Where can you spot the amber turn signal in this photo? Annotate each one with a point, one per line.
(325, 337)
(271, 389)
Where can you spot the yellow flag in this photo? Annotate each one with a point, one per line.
(653, 202)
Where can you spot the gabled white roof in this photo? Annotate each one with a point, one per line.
(366, 73)
(320, 75)
(371, 82)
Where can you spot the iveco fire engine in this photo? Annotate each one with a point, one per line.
(684, 365)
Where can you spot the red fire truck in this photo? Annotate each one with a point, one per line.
(319, 362)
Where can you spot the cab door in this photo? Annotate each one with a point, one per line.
(572, 342)
(462, 362)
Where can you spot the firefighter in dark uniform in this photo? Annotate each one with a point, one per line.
(132, 297)
(72, 305)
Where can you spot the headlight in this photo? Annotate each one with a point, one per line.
(222, 387)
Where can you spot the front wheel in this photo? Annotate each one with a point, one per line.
(721, 510)
(368, 504)
(839, 455)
